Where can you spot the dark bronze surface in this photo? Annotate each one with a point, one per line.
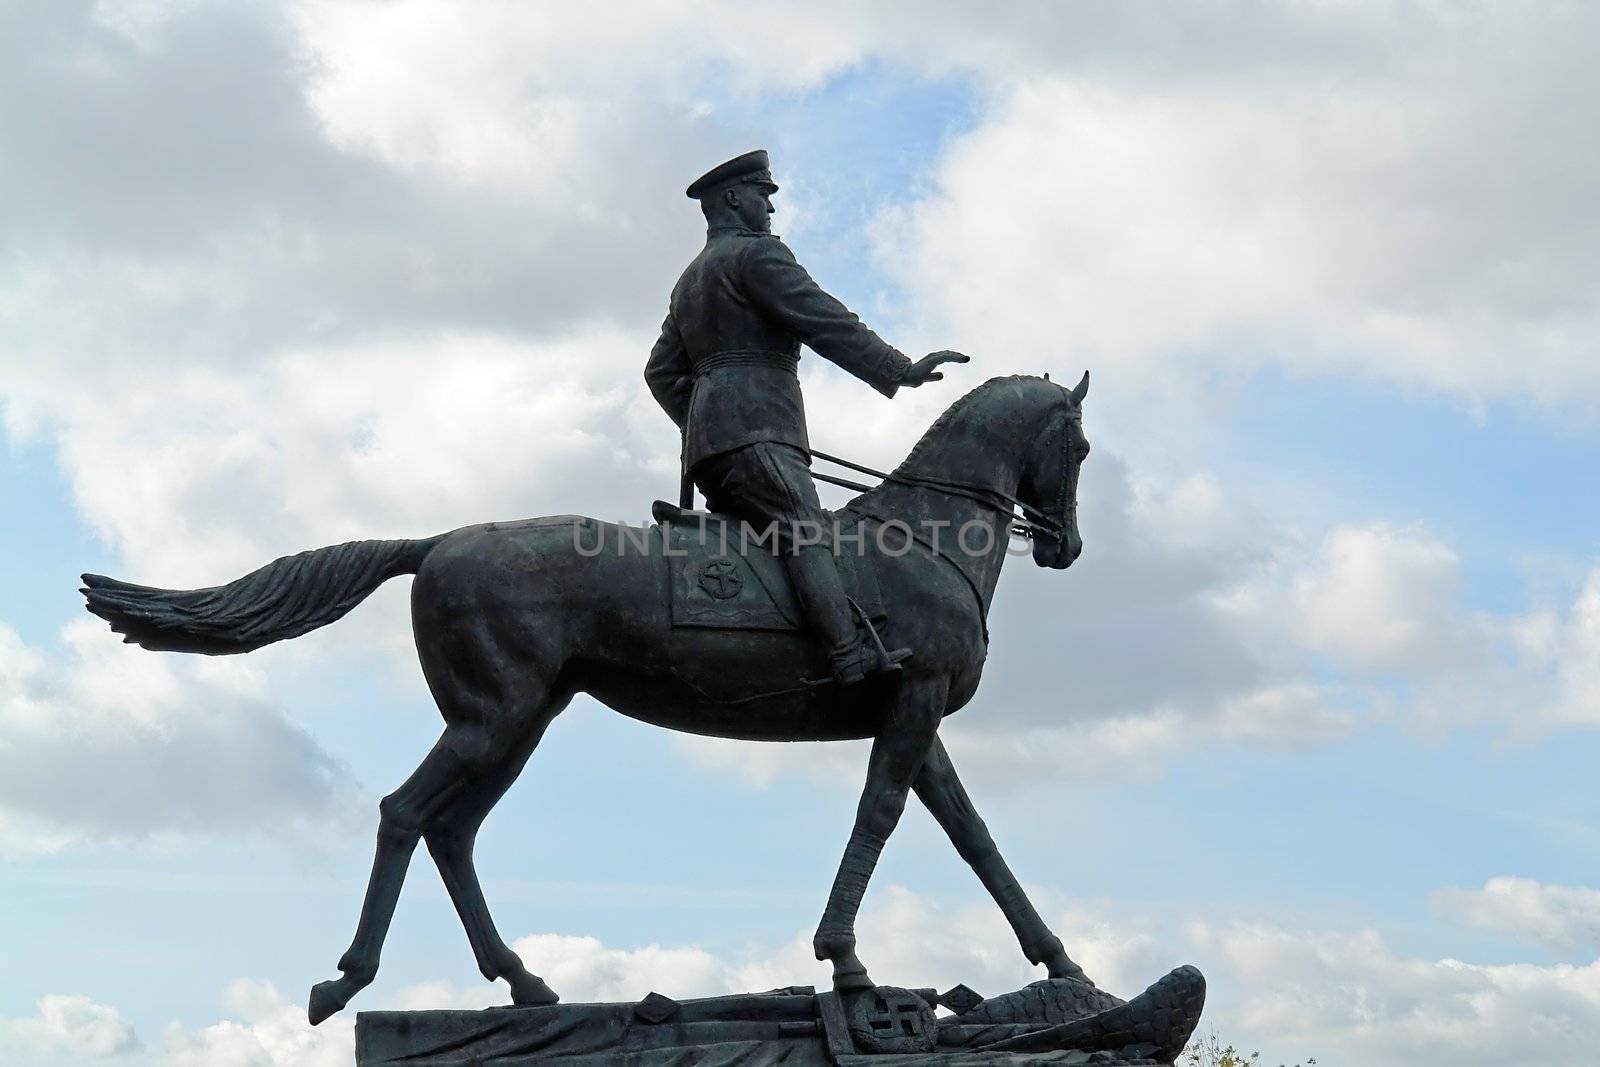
(513, 619)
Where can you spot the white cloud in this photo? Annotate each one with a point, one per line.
(470, 179)
(582, 969)
(1125, 662)
(1384, 599)
(1371, 598)
(907, 940)
(1556, 916)
(1146, 742)
(70, 1026)
(1562, 646)
(104, 746)
(510, 94)
(1342, 997)
(1194, 512)
(904, 938)
(396, 271)
(419, 171)
(1538, 671)
(322, 445)
(1350, 998)
(1359, 204)
(995, 760)
(1378, 602)
(263, 1030)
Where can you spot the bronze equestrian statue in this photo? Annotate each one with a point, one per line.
(513, 619)
(724, 370)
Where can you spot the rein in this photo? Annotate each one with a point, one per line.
(1021, 526)
(1030, 523)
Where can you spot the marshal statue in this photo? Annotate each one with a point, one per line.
(724, 369)
(765, 618)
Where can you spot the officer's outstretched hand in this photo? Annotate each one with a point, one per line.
(926, 369)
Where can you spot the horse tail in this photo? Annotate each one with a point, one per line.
(286, 598)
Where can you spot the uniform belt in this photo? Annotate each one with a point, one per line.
(747, 357)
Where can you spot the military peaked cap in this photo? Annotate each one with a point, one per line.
(750, 167)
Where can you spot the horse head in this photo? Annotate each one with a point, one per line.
(1050, 479)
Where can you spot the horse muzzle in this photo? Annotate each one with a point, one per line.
(1057, 553)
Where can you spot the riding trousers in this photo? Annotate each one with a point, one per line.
(766, 483)
(763, 483)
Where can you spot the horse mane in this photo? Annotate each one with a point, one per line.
(936, 431)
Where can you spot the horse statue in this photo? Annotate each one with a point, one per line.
(513, 619)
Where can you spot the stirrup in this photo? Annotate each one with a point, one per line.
(888, 661)
(849, 662)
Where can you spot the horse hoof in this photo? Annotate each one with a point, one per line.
(1074, 973)
(850, 977)
(1060, 965)
(326, 999)
(533, 993)
(854, 982)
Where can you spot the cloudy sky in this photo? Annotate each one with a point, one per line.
(1316, 711)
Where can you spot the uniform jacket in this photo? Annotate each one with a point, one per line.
(724, 367)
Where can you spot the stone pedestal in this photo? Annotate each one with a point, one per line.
(749, 1031)
(1054, 1022)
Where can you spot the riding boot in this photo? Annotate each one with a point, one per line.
(828, 610)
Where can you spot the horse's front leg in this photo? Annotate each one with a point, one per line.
(941, 792)
(897, 755)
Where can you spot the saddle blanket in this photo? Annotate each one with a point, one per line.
(721, 580)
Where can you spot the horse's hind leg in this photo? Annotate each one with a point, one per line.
(450, 840)
(446, 772)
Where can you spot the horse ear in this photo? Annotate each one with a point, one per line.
(1081, 390)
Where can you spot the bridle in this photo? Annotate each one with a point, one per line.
(1067, 492)
(1026, 521)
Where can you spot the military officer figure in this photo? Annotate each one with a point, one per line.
(724, 369)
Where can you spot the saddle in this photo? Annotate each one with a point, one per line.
(721, 577)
